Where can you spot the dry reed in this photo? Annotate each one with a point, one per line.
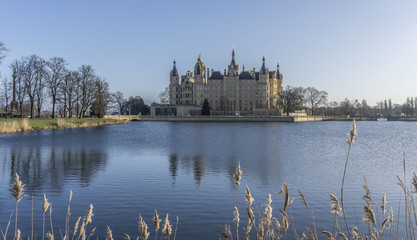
(109, 235)
(14, 126)
(143, 228)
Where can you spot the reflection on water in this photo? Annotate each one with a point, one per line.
(47, 168)
(186, 169)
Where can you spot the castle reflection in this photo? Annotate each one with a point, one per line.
(41, 168)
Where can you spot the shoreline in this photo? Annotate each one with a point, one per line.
(26, 125)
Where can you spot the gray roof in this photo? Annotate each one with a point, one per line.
(245, 75)
(216, 75)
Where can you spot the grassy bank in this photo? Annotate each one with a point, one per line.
(23, 125)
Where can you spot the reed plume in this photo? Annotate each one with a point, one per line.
(143, 228)
(109, 235)
(156, 221)
(351, 139)
(248, 197)
(260, 231)
(390, 218)
(352, 134)
(342, 236)
(369, 215)
(268, 217)
(367, 197)
(237, 175)
(336, 209)
(303, 198)
(17, 191)
(284, 191)
(167, 228)
(285, 220)
(17, 235)
(76, 227)
(127, 237)
(310, 234)
(414, 182)
(355, 234)
(236, 219)
(383, 203)
(45, 206)
(50, 236)
(86, 220)
(328, 235)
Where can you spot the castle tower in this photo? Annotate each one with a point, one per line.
(174, 85)
(264, 72)
(200, 71)
(233, 68)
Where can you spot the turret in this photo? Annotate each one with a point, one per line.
(174, 78)
(233, 69)
(263, 68)
(200, 70)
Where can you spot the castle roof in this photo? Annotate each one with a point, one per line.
(245, 75)
(216, 75)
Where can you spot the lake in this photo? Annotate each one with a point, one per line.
(186, 169)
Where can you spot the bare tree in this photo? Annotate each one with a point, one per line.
(68, 91)
(314, 98)
(119, 100)
(31, 77)
(58, 71)
(6, 94)
(86, 88)
(164, 96)
(3, 51)
(41, 75)
(19, 69)
(101, 98)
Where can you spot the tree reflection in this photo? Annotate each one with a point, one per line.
(49, 168)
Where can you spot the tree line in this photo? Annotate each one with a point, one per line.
(70, 93)
(314, 102)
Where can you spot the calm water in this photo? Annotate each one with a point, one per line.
(186, 169)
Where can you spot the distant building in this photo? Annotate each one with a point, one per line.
(233, 92)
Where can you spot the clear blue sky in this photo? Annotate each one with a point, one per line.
(355, 49)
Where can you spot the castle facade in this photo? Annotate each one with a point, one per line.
(230, 92)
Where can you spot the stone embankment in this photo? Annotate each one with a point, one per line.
(232, 119)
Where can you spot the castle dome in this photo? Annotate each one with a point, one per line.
(200, 67)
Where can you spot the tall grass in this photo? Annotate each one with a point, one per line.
(14, 126)
(23, 125)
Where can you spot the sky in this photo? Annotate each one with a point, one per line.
(355, 49)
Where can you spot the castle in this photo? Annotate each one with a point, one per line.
(245, 93)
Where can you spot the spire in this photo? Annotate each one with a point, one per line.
(278, 73)
(199, 57)
(243, 67)
(233, 63)
(263, 68)
(174, 69)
